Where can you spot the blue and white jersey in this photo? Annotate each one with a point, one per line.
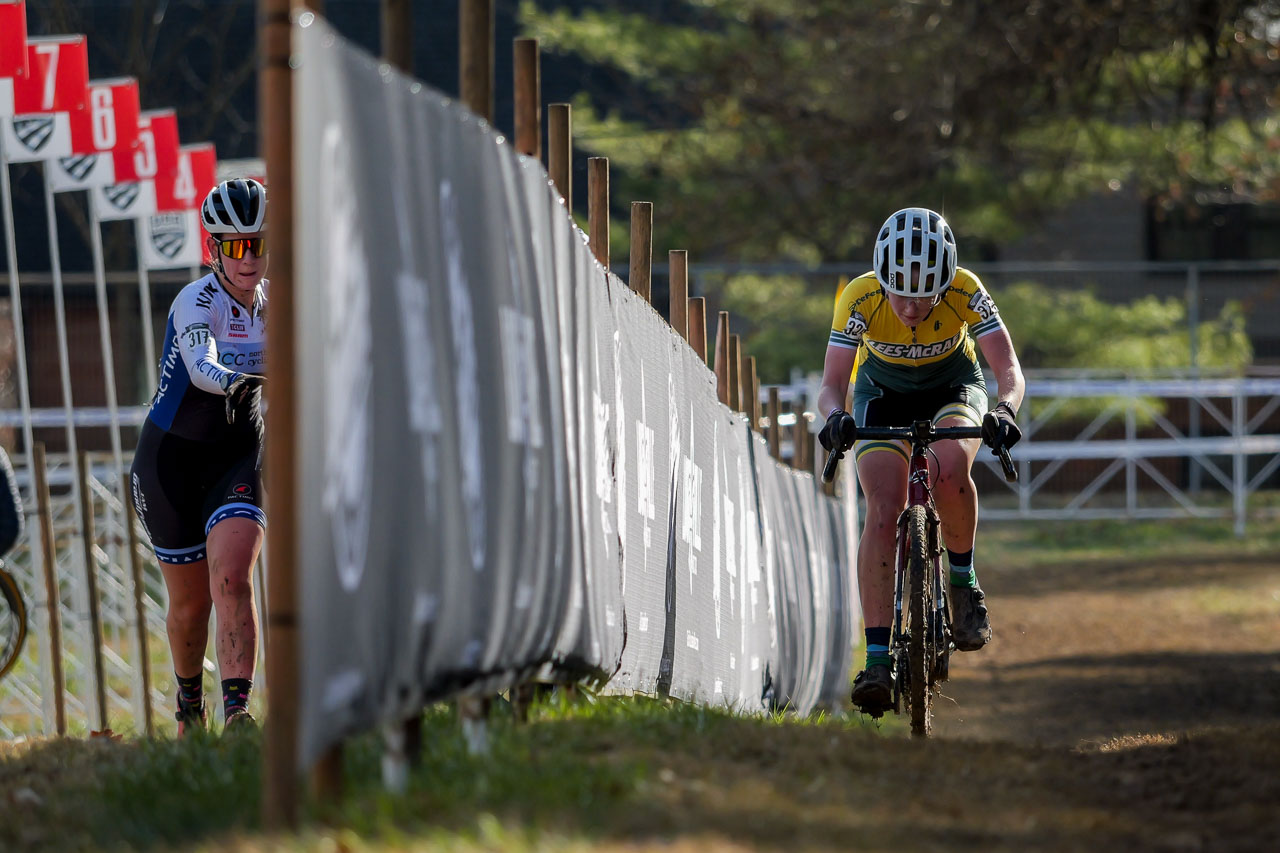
(209, 342)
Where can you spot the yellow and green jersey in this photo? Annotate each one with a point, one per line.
(936, 351)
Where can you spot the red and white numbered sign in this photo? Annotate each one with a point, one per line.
(101, 136)
(13, 50)
(200, 161)
(111, 121)
(57, 78)
(164, 136)
(133, 196)
(173, 238)
(56, 85)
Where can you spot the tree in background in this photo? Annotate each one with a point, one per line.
(767, 129)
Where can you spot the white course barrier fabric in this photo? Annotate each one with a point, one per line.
(510, 464)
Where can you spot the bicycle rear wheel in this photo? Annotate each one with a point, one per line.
(13, 622)
(920, 603)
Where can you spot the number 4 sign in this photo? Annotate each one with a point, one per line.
(164, 159)
(173, 238)
(201, 163)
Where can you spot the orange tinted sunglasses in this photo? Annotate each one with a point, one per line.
(236, 248)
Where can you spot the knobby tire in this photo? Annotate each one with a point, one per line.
(919, 604)
(13, 622)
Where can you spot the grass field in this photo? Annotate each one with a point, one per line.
(1125, 704)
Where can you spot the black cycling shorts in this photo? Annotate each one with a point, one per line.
(182, 488)
(876, 405)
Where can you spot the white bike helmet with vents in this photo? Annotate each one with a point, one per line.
(915, 238)
(235, 207)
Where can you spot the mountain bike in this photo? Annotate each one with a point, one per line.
(13, 621)
(920, 644)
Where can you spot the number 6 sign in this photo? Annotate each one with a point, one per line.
(111, 122)
(101, 137)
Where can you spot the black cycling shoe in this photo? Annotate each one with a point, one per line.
(970, 624)
(239, 721)
(191, 717)
(873, 690)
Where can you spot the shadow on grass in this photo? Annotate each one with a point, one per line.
(618, 773)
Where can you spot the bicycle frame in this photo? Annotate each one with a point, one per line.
(920, 652)
(919, 494)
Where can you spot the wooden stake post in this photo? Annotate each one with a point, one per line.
(397, 36)
(139, 611)
(735, 373)
(642, 249)
(598, 208)
(678, 276)
(775, 436)
(560, 151)
(698, 326)
(52, 595)
(754, 385)
(528, 98)
(721, 365)
(275, 80)
(89, 538)
(475, 55)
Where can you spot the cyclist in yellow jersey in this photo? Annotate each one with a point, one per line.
(912, 326)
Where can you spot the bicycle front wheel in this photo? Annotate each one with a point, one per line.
(920, 602)
(13, 622)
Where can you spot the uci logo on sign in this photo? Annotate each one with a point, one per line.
(34, 132)
(168, 235)
(122, 196)
(80, 166)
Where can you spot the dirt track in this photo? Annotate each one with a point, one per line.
(1156, 687)
(1121, 707)
(1087, 654)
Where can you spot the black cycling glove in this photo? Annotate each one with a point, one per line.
(239, 390)
(840, 431)
(999, 429)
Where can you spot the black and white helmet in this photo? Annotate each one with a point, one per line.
(915, 238)
(235, 207)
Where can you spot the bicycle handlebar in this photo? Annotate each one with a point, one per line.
(928, 436)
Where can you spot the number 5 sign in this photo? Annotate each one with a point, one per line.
(56, 84)
(158, 155)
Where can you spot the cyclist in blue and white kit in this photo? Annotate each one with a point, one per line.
(196, 476)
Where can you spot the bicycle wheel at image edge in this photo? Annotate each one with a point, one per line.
(920, 601)
(13, 622)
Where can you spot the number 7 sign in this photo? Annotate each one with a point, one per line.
(56, 84)
(57, 76)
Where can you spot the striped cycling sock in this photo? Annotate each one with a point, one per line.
(962, 573)
(235, 694)
(877, 646)
(190, 690)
